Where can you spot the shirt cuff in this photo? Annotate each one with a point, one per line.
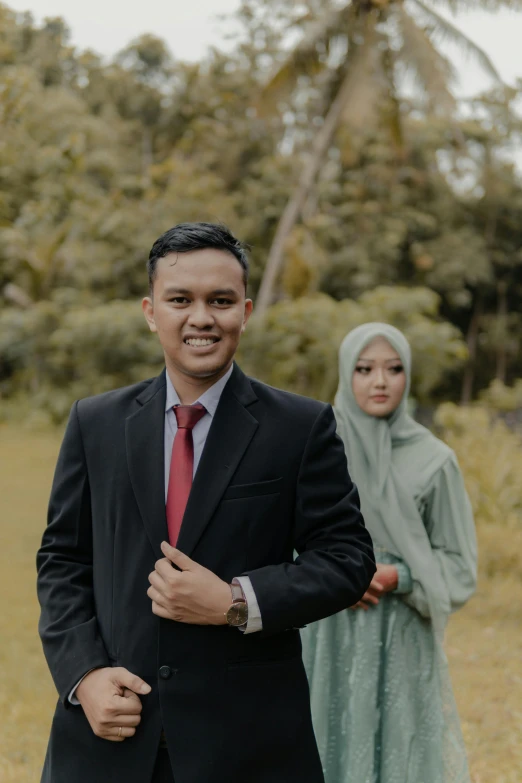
(254, 622)
(405, 584)
(72, 695)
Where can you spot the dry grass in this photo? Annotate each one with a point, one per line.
(483, 642)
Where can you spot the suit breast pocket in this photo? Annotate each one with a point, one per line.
(255, 490)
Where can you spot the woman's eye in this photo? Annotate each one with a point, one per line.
(397, 369)
(363, 370)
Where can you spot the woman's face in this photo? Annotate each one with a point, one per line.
(379, 379)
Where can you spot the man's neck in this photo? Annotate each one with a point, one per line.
(190, 389)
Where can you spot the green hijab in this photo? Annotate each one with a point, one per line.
(386, 483)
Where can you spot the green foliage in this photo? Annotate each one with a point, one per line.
(490, 456)
(98, 158)
(295, 346)
(57, 355)
(502, 398)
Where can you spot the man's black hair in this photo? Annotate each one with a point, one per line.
(196, 236)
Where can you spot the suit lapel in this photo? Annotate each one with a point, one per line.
(232, 429)
(144, 434)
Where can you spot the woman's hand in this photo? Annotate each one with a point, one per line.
(385, 580)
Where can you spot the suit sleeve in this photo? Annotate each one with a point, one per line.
(68, 626)
(335, 562)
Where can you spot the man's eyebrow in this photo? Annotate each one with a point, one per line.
(170, 291)
(224, 292)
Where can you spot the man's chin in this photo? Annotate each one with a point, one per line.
(209, 371)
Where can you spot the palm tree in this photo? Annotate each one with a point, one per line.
(382, 40)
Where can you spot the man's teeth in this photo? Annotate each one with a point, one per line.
(198, 342)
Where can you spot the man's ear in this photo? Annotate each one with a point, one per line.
(249, 306)
(147, 306)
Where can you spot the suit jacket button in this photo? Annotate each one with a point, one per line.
(165, 672)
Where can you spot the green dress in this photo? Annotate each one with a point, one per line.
(382, 704)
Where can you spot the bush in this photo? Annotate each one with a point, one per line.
(295, 346)
(502, 398)
(490, 456)
(57, 356)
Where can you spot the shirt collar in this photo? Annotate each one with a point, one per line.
(209, 399)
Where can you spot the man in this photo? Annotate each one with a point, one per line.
(182, 661)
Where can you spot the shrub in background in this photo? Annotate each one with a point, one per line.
(58, 355)
(295, 345)
(490, 455)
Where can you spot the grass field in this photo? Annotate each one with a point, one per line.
(484, 639)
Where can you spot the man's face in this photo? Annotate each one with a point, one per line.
(199, 310)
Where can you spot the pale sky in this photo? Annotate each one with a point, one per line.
(190, 27)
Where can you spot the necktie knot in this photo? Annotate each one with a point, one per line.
(188, 416)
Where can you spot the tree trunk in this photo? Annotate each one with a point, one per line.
(147, 158)
(502, 310)
(320, 146)
(472, 342)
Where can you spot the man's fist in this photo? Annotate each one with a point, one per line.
(189, 593)
(110, 702)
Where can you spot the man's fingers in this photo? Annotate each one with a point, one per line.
(164, 570)
(130, 721)
(125, 705)
(156, 596)
(179, 559)
(156, 577)
(125, 679)
(128, 694)
(159, 611)
(371, 599)
(115, 735)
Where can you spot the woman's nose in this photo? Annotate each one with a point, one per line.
(380, 379)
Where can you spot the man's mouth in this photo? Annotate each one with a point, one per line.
(200, 342)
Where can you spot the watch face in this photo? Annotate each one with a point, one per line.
(237, 614)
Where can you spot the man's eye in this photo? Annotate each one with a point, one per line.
(179, 299)
(221, 301)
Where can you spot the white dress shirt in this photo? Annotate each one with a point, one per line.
(210, 401)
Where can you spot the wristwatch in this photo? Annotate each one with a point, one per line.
(237, 613)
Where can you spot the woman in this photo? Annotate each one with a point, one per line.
(381, 696)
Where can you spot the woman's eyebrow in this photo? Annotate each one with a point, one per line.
(372, 361)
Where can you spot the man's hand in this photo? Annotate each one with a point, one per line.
(110, 702)
(192, 595)
(385, 580)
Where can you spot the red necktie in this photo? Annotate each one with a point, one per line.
(181, 467)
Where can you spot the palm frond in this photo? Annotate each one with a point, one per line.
(433, 71)
(368, 93)
(457, 6)
(444, 28)
(307, 58)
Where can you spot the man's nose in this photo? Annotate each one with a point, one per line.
(200, 316)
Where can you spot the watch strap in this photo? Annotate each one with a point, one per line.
(237, 592)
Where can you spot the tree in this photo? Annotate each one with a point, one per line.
(296, 345)
(356, 53)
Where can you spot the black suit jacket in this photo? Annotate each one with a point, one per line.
(272, 479)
